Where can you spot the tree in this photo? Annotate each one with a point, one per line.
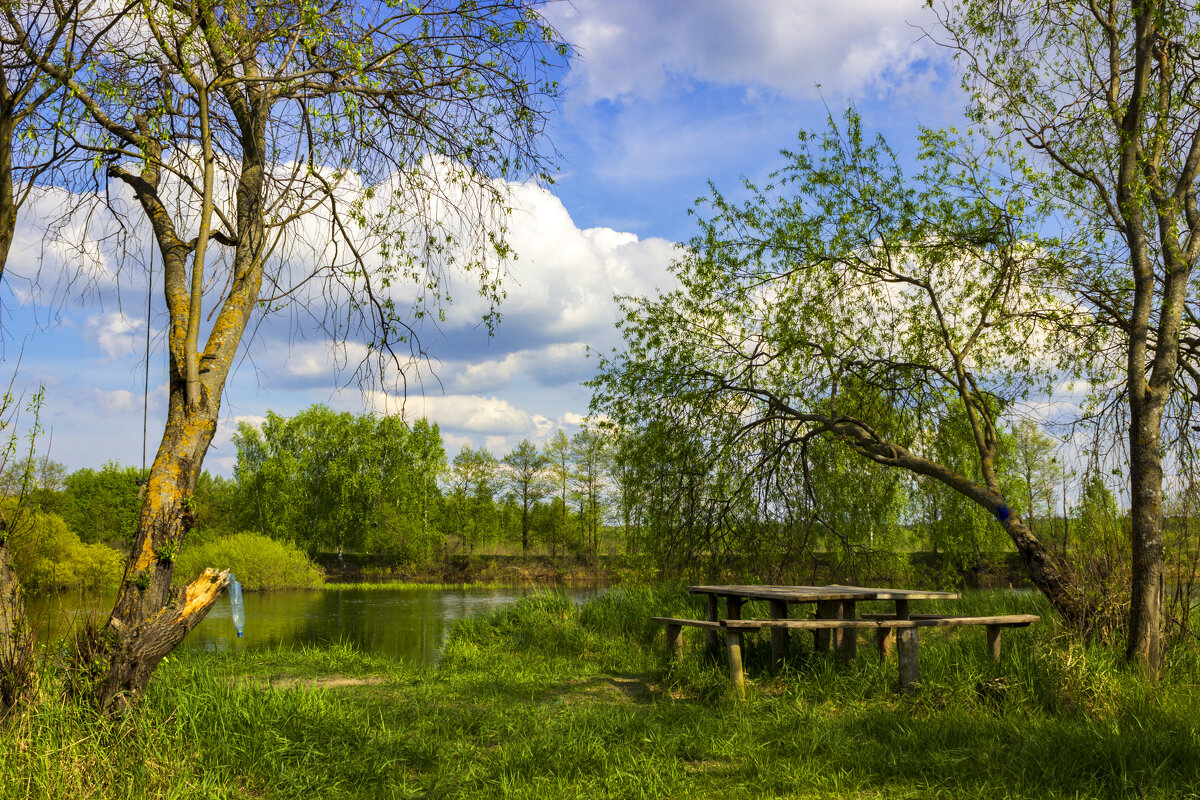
(391, 129)
(589, 461)
(102, 505)
(1104, 95)
(474, 479)
(851, 301)
(557, 453)
(526, 467)
(1039, 471)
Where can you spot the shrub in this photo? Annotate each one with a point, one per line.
(47, 556)
(259, 562)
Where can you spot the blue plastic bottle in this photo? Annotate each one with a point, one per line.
(235, 603)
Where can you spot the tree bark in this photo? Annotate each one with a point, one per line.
(17, 673)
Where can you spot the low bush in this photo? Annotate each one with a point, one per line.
(48, 557)
(259, 562)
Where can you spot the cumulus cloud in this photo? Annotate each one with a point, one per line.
(631, 48)
(114, 333)
(562, 284)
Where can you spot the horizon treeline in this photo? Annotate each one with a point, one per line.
(336, 482)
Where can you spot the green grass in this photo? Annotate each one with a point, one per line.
(546, 699)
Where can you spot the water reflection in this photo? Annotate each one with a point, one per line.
(410, 623)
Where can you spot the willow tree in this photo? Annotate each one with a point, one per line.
(344, 156)
(1107, 94)
(851, 301)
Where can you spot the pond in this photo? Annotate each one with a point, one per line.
(408, 622)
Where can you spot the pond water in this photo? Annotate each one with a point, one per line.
(408, 622)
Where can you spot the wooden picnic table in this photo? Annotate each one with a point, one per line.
(834, 623)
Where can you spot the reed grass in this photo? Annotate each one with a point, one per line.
(547, 699)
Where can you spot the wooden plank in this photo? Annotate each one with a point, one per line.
(812, 594)
(1009, 621)
(779, 637)
(689, 623)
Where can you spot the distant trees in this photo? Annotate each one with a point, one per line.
(526, 480)
(330, 480)
(472, 482)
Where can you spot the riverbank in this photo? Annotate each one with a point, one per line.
(486, 570)
(544, 699)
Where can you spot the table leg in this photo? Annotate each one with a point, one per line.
(733, 607)
(710, 635)
(848, 645)
(826, 609)
(779, 636)
(906, 650)
(733, 641)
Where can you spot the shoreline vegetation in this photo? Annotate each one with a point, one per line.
(544, 698)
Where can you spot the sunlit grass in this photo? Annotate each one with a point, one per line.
(547, 699)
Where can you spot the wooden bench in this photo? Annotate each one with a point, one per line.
(885, 626)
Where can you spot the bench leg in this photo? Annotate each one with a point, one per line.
(884, 639)
(674, 641)
(733, 641)
(848, 645)
(906, 650)
(993, 641)
(779, 637)
(710, 635)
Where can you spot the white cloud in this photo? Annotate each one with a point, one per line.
(458, 412)
(562, 284)
(632, 48)
(113, 333)
(119, 401)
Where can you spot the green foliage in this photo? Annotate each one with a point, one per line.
(259, 562)
(472, 482)
(47, 556)
(338, 481)
(849, 304)
(103, 505)
(40, 480)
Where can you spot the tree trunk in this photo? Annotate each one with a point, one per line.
(1146, 597)
(17, 672)
(150, 617)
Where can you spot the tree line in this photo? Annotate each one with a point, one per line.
(333, 482)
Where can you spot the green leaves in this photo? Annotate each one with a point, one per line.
(852, 299)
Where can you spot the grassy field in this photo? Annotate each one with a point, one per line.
(544, 699)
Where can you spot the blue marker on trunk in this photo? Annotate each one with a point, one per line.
(1001, 513)
(235, 604)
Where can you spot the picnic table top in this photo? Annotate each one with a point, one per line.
(813, 594)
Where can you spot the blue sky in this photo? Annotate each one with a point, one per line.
(663, 97)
